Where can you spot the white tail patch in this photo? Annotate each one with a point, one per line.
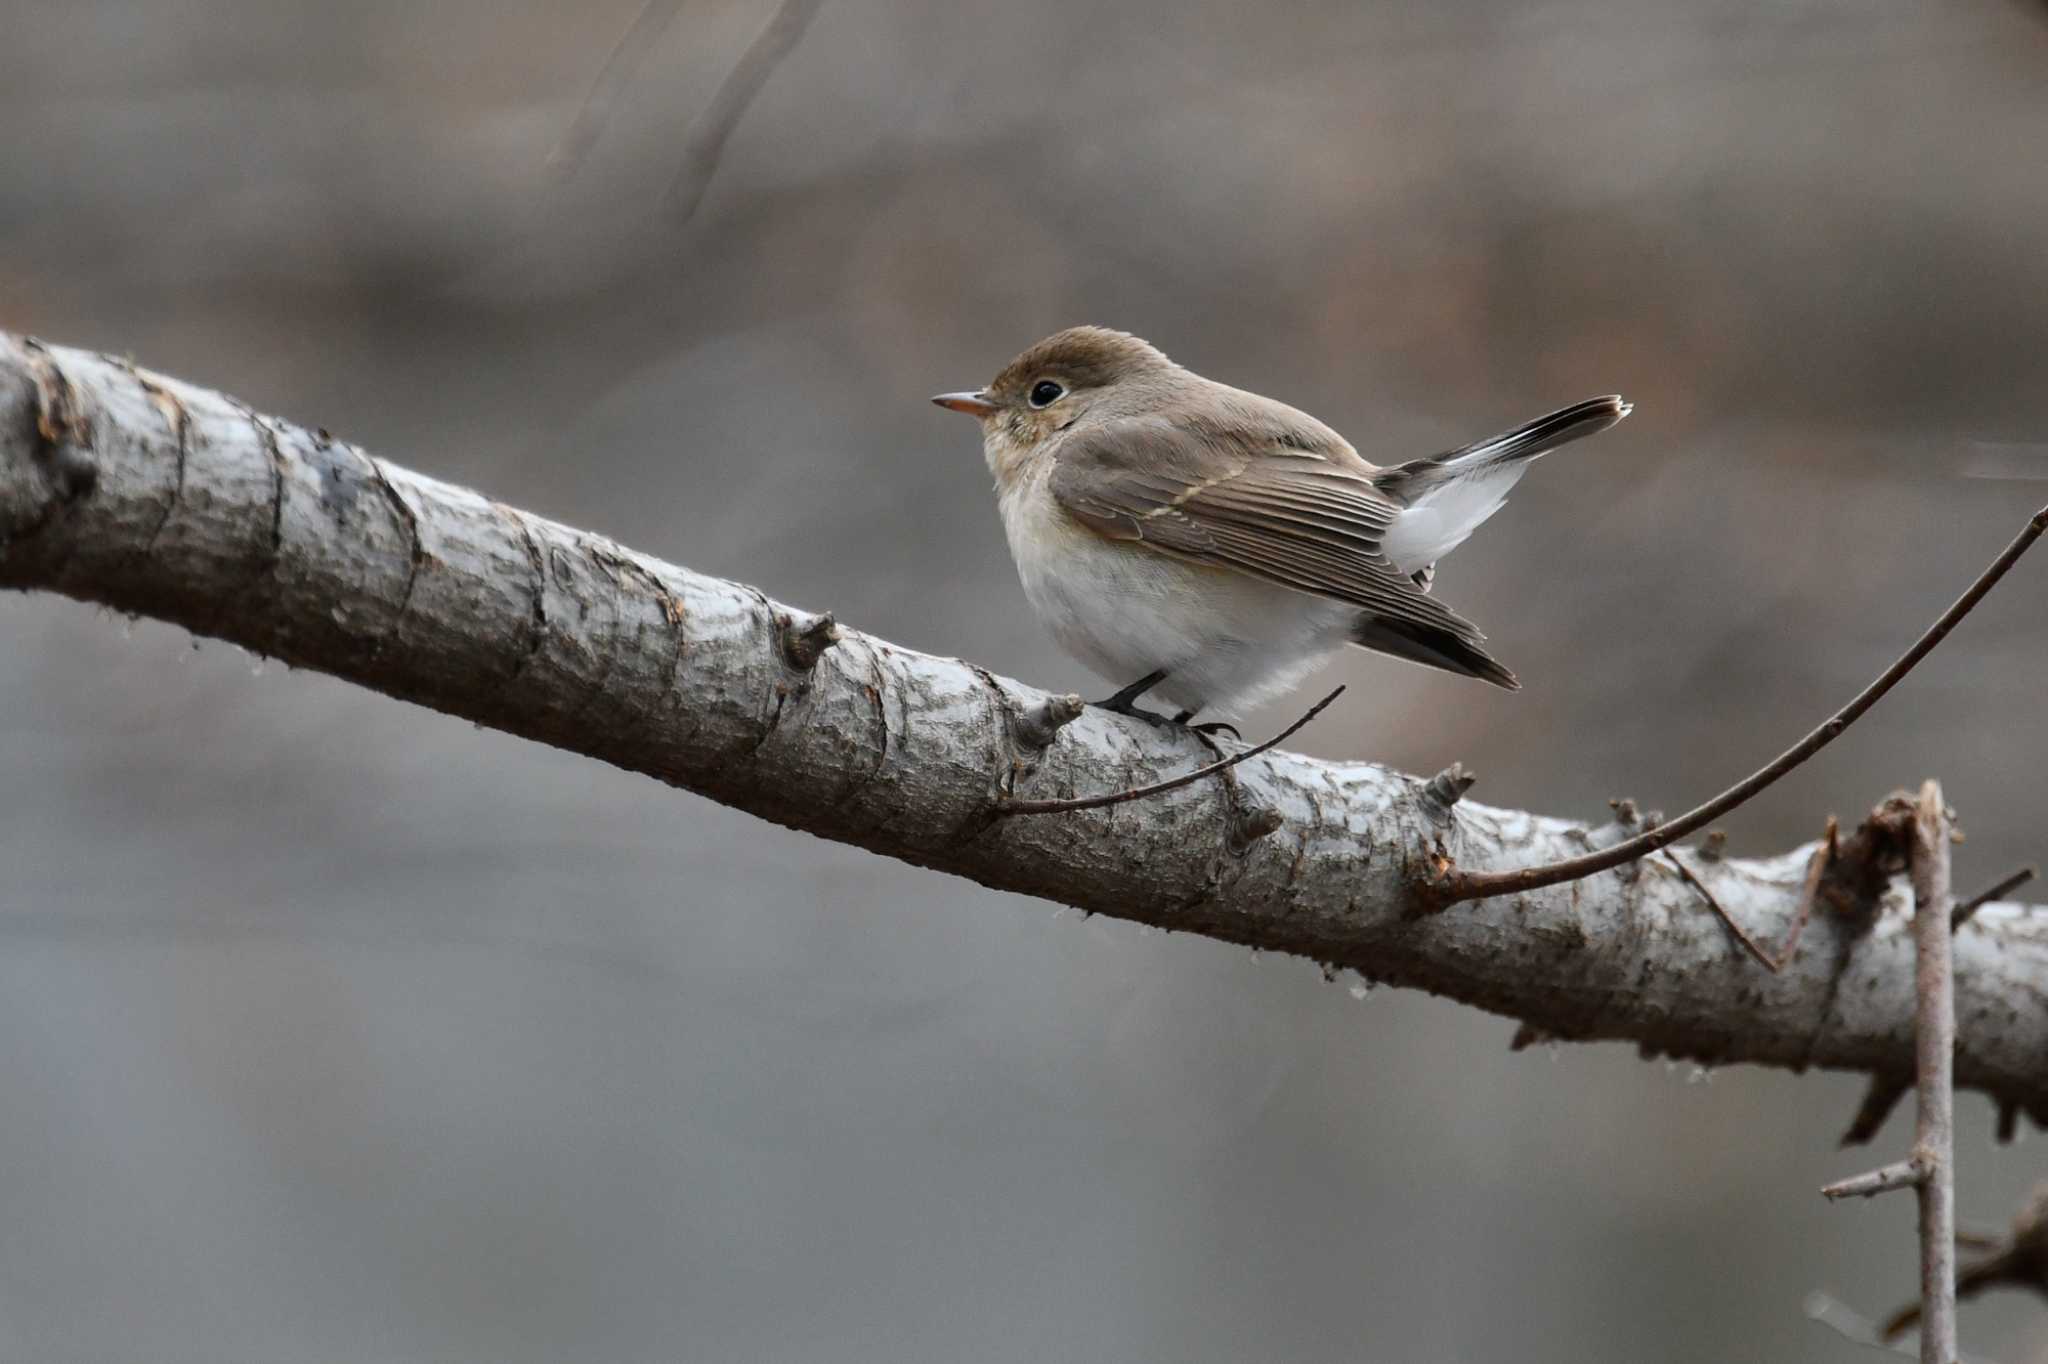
(1440, 520)
(1448, 497)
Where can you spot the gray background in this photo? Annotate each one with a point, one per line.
(331, 1029)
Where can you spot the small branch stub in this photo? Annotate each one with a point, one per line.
(1039, 725)
(1251, 825)
(1904, 1174)
(1447, 788)
(62, 430)
(803, 644)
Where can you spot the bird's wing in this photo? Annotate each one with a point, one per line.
(1243, 497)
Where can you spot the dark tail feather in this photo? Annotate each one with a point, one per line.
(1412, 480)
(1432, 647)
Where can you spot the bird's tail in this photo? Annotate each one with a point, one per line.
(1456, 649)
(1444, 498)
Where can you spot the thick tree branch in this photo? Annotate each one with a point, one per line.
(154, 497)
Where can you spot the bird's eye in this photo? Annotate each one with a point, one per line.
(1045, 393)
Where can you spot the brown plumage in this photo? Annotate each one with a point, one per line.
(1114, 464)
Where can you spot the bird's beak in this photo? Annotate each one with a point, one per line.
(973, 404)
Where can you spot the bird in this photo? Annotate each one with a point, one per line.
(1211, 546)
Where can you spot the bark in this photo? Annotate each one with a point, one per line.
(150, 496)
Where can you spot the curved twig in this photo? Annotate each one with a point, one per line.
(1061, 807)
(1454, 886)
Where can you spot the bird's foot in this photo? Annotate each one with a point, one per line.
(1125, 701)
(1156, 719)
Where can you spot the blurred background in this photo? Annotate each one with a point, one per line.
(332, 1029)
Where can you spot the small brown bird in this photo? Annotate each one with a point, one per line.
(1216, 545)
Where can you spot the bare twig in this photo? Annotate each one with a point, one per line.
(1901, 1174)
(1454, 886)
(1060, 807)
(1741, 934)
(1983, 898)
(707, 137)
(1930, 1170)
(1809, 890)
(625, 59)
(1935, 1056)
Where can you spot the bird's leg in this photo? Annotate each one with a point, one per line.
(1125, 701)
(1208, 728)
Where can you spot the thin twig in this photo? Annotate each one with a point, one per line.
(1809, 890)
(1458, 886)
(611, 82)
(1983, 898)
(1741, 934)
(1934, 1036)
(1901, 1174)
(1930, 1170)
(1058, 807)
(708, 135)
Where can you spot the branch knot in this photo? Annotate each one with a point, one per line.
(1443, 791)
(803, 644)
(1037, 726)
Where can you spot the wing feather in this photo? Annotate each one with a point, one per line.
(1248, 501)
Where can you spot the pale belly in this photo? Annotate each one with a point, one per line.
(1225, 640)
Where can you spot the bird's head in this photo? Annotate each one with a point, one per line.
(1064, 379)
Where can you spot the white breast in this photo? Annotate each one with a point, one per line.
(1225, 639)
